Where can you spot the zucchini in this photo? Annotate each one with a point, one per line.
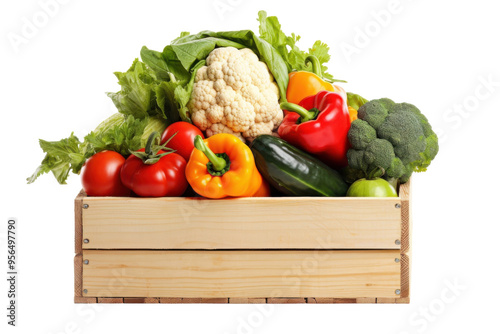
(294, 172)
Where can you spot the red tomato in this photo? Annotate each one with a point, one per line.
(101, 175)
(166, 177)
(183, 141)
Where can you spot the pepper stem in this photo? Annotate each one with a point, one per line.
(316, 65)
(218, 163)
(305, 115)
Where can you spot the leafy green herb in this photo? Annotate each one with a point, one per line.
(62, 156)
(270, 31)
(118, 133)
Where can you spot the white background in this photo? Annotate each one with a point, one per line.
(435, 54)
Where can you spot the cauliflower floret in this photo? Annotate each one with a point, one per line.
(215, 113)
(201, 74)
(235, 93)
(239, 116)
(257, 129)
(214, 71)
(206, 92)
(221, 128)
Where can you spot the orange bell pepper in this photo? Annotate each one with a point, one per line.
(264, 190)
(223, 166)
(354, 101)
(302, 84)
(353, 113)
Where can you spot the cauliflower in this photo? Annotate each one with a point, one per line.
(235, 93)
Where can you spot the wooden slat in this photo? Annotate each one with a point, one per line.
(331, 300)
(386, 300)
(286, 300)
(170, 300)
(405, 195)
(247, 300)
(85, 300)
(403, 301)
(151, 300)
(116, 300)
(141, 300)
(110, 300)
(241, 274)
(405, 276)
(319, 300)
(133, 300)
(78, 272)
(194, 300)
(209, 300)
(78, 221)
(366, 300)
(406, 225)
(243, 223)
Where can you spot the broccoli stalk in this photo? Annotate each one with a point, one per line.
(393, 136)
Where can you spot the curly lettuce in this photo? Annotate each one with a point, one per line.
(118, 133)
(294, 57)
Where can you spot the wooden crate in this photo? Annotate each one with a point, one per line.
(244, 250)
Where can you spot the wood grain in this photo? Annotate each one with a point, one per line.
(209, 273)
(403, 300)
(170, 300)
(405, 195)
(406, 226)
(366, 300)
(151, 300)
(206, 300)
(247, 300)
(141, 300)
(286, 300)
(110, 300)
(242, 274)
(85, 300)
(78, 221)
(331, 300)
(386, 300)
(78, 272)
(91, 300)
(243, 223)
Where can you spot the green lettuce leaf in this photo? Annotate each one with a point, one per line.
(61, 157)
(155, 61)
(119, 138)
(137, 96)
(118, 133)
(355, 101)
(270, 31)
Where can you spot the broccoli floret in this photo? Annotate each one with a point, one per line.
(351, 175)
(396, 137)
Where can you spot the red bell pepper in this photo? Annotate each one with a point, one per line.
(319, 125)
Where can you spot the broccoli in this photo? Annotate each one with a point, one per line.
(395, 137)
